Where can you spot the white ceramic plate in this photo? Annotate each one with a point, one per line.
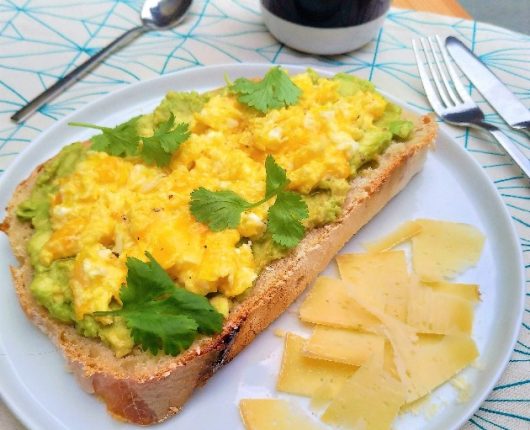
(34, 381)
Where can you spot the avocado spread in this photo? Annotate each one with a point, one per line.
(51, 282)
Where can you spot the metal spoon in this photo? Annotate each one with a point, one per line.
(155, 15)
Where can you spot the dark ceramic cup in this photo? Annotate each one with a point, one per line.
(324, 27)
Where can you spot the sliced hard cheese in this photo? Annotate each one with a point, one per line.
(344, 346)
(401, 336)
(403, 233)
(464, 291)
(381, 279)
(389, 362)
(411, 339)
(328, 303)
(445, 249)
(274, 414)
(438, 313)
(435, 359)
(302, 375)
(369, 400)
(321, 396)
(426, 361)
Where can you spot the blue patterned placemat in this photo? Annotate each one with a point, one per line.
(41, 40)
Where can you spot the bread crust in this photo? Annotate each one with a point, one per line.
(145, 389)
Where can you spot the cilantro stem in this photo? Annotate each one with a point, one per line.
(88, 125)
(226, 78)
(265, 199)
(105, 313)
(259, 203)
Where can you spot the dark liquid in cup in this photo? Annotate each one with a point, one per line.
(327, 13)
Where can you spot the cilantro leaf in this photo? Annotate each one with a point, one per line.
(284, 219)
(160, 314)
(145, 281)
(274, 91)
(120, 141)
(124, 140)
(157, 327)
(276, 177)
(222, 209)
(218, 209)
(197, 307)
(165, 141)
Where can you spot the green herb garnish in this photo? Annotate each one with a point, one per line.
(284, 219)
(124, 140)
(222, 209)
(165, 141)
(120, 141)
(274, 91)
(160, 314)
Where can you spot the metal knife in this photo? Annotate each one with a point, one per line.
(493, 90)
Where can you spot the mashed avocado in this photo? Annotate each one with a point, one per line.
(182, 105)
(324, 205)
(349, 85)
(50, 287)
(37, 207)
(391, 121)
(51, 283)
(390, 126)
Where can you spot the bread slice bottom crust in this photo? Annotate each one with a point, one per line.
(145, 389)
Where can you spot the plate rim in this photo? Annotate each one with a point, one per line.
(12, 176)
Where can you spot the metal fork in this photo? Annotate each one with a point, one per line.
(450, 100)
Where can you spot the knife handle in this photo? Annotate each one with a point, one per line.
(517, 155)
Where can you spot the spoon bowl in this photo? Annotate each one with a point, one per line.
(163, 14)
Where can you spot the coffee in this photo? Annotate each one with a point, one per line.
(327, 13)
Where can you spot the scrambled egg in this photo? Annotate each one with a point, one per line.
(112, 208)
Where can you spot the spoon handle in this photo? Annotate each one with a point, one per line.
(76, 74)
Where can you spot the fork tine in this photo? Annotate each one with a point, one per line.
(456, 80)
(431, 93)
(443, 75)
(434, 73)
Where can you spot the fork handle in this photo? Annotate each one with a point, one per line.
(517, 155)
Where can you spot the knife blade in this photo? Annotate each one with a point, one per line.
(493, 90)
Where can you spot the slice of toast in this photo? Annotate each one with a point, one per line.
(145, 389)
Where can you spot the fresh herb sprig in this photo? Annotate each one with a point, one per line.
(274, 91)
(160, 314)
(124, 140)
(164, 142)
(221, 210)
(120, 141)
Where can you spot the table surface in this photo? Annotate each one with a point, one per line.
(508, 418)
(444, 7)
